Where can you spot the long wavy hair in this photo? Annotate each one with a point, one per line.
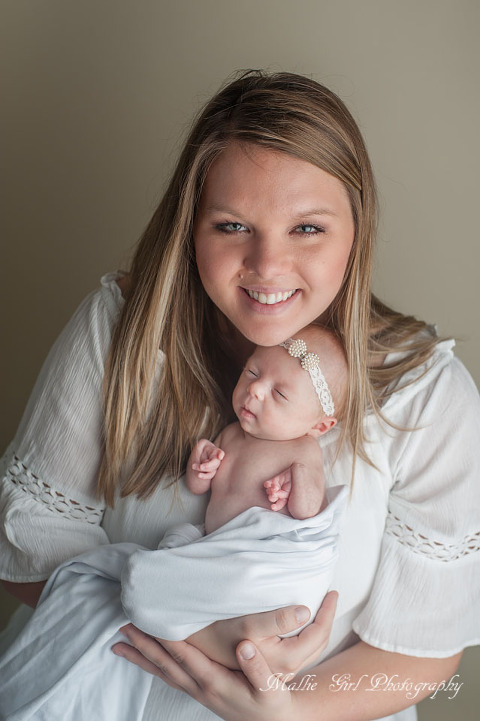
(155, 411)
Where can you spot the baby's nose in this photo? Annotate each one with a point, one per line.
(257, 390)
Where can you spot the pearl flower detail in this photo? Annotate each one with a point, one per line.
(310, 362)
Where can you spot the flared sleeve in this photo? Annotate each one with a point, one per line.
(48, 505)
(425, 600)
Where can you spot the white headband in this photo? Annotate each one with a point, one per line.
(310, 362)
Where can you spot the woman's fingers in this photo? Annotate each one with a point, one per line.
(129, 653)
(193, 662)
(307, 646)
(267, 697)
(253, 665)
(273, 623)
(149, 654)
(291, 654)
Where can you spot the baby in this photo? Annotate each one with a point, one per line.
(284, 401)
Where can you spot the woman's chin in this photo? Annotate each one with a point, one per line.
(266, 334)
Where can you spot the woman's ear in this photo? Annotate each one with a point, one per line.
(323, 426)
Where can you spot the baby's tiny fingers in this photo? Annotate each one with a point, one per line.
(273, 483)
(209, 465)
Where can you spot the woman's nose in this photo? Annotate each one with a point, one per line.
(267, 257)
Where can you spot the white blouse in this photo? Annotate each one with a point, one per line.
(408, 574)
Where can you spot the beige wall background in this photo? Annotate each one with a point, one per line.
(97, 95)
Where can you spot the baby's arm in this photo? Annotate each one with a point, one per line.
(301, 486)
(203, 464)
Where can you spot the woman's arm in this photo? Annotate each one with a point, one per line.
(49, 506)
(384, 682)
(359, 684)
(28, 593)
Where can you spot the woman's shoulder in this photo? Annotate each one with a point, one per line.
(441, 380)
(98, 313)
(121, 279)
(86, 337)
(112, 291)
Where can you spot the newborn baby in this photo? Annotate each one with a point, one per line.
(284, 401)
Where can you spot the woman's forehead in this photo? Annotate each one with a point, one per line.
(249, 176)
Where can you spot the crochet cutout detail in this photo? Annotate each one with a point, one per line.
(424, 546)
(55, 501)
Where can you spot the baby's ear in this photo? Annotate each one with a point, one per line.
(323, 426)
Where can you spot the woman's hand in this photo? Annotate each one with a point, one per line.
(253, 693)
(290, 655)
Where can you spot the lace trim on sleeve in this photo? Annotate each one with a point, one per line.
(428, 547)
(55, 501)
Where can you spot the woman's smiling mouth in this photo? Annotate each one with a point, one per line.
(270, 298)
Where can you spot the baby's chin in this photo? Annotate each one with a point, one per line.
(262, 434)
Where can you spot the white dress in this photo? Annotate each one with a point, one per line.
(408, 569)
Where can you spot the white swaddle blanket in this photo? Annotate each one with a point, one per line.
(258, 561)
(61, 665)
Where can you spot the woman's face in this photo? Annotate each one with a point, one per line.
(272, 239)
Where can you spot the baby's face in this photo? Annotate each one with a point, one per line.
(274, 398)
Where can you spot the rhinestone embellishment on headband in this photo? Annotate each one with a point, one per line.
(310, 362)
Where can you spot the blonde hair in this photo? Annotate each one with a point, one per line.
(151, 422)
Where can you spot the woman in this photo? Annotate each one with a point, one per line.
(268, 224)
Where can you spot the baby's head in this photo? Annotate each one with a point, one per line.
(282, 395)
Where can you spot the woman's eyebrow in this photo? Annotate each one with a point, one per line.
(296, 216)
(220, 209)
(315, 211)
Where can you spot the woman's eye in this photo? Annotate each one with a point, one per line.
(231, 227)
(307, 229)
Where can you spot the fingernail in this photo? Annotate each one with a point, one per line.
(117, 653)
(247, 651)
(302, 614)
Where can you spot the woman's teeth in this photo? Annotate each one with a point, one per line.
(270, 298)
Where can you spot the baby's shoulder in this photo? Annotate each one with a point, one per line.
(306, 447)
(230, 434)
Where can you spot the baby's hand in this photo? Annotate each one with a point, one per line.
(206, 459)
(278, 489)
